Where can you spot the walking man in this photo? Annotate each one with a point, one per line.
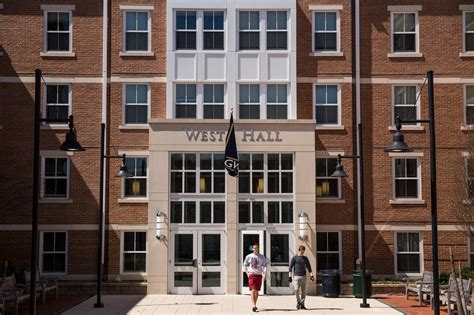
(298, 265)
(255, 265)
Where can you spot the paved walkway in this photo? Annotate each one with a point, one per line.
(224, 304)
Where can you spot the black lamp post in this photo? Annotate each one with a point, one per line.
(70, 144)
(399, 145)
(122, 173)
(339, 172)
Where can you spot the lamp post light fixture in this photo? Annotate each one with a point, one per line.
(160, 225)
(123, 173)
(70, 144)
(340, 173)
(399, 145)
(303, 222)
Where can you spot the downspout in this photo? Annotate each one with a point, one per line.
(105, 24)
(358, 120)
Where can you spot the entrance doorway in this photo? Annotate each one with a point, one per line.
(197, 262)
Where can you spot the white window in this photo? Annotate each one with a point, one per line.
(277, 101)
(327, 104)
(265, 211)
(408, 253)
(58, 101)
(407, 178)
(471, 250)
(213, 101)
(327, 187)
(249, 101)
(249, 30)
(55, 178)
(137, 103)
(328, 255)
(137, 31)
(405, 103)
(213, 30)
(53, 252)
(134, 252)
(405, 34)
(136, 186)
(185, 30)
(469, 105)
(185, 101)
(280, 212)
(58, 37)
(468, 31)
(277, 30)
(193, 212)
(469, 180)
(326, 31)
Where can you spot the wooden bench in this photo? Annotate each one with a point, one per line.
(421, 286)
(43, 285)
(11, 293)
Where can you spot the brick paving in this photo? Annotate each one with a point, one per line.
(52, 306)
(410, 306)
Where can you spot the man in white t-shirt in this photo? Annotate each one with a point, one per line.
(255, 265)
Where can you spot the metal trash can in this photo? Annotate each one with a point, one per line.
(357, 283)
(331, 283)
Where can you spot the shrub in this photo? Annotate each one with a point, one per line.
(443, 278)
(467, 272)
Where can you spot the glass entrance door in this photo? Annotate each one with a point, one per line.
(211, 264)
(247, 239)
(280, 251)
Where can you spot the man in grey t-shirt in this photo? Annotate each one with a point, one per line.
(298, 266)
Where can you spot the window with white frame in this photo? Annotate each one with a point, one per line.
(408, 252)
(404, 32)
(55, 177)
(277, 101)
(134, 251)
(280, 212)
(405, 104)
(327, 186)
(271, 212)
(136, 186)
(407, 178)
(185, 101)
(327, 105)
(469, 105)
(277, 30)
(213, 106)
(136, 103)
(251, 212)
(193, 173)
(137, 31)
(213, 32)
(469, 31)
(327, 250)
(58, 101)
(326, 31)
(471, 250)
(249, 101)
(58, 31)
(54, 253)
(249, 30)
(185, 30)
(194, 212)
(469, 180)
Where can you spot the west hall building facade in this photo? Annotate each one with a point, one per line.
(297, 75)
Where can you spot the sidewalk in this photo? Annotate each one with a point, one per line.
(225, 304)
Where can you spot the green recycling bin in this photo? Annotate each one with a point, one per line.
(357, 283)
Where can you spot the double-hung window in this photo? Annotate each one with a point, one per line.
(249, 30)
(327, 105)
(213, 101)
(469, 179)
(327, 186)
(405, 104)
(404, 32)
(134, 252)
(136, 186)
(471, 250)
(186, 30)
(55, 177)
(277, 101)
(469, 32)
(137, 31)
(469, 101)
(136, 103)
(213, 33)
(277, 30)
(328, 251)
(407, 178)
(58, 31)
(408, 252)
(249, 101)
(58, 102)
(185, 100)
(54, 253)
(326, 31)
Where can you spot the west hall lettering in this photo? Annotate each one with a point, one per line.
(246, 135)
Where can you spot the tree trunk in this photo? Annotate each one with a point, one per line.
(459, 303)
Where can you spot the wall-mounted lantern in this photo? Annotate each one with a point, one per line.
(160, 225)
(303, 221)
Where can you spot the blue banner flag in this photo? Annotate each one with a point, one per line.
(231, 156)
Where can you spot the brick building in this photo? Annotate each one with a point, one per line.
(165, 81)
